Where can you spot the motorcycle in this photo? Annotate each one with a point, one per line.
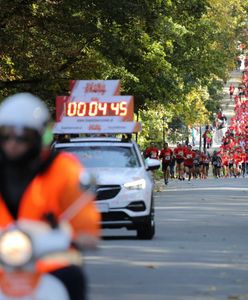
(25, 243)
(22, 244)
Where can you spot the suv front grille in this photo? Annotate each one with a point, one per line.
(115, 216)
(105, 192)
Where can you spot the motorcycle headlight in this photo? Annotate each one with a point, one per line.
(15, 248)
(136, 185)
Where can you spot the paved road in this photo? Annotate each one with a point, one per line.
(200, 250)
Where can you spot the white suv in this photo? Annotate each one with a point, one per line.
(124, 185)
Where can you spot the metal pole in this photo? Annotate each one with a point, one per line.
(163, 120)
(200, 141)
(136, 134)
(163, 133)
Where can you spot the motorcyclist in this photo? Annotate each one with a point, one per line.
(36, 183)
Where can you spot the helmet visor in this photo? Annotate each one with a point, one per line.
(17, 134)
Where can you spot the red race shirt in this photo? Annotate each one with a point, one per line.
(237, 158)
(152, 152)
(179, 153)
(189, 157)
(166, 155)
(231, 89)
(225, 160)
(243, 157)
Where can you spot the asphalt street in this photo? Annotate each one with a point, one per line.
(200, 250)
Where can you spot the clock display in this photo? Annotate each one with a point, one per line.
(96, 108)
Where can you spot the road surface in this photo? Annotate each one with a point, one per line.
(200, 250)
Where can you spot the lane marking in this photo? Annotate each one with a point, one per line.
(205, 189)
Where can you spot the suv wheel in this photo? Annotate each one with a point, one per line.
(146, 230)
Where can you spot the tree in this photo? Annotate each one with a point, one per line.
(165, 52)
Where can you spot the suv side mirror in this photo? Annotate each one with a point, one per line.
(152, 164)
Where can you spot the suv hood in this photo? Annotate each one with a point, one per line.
(116, 175)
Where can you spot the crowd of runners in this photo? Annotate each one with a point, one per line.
(185, 163)
(182, 162)
(230, 160)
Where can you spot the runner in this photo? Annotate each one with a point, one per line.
(166, 155)
(225, 164)
(237, 162)
(196, 164)
(231, 90)
(216, 163)
(206, 164)
(152, 151)
(188, 162)
(231, 164)
(244, 159)
(179, 153)
(203, 158)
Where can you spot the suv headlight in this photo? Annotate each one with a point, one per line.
(15, 248)
(136, 185)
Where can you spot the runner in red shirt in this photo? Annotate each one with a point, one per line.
(244, 157)
(179, 153)
(203, 158)
(166, 155)
(152, 151)
(231, 90)
(237, 163)
(231, 164)
(189, 160)
(225, 164)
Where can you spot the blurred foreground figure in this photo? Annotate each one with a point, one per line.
(38, 185)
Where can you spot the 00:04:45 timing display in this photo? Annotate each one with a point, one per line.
(95, 108)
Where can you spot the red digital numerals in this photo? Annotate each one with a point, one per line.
(95, 108)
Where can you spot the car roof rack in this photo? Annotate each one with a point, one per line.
(99, 138)
(124, 138)
(95, 139)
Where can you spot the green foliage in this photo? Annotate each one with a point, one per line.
(171, 55)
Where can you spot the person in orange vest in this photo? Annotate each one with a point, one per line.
(36, 183)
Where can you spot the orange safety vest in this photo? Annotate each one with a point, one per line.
(53, 191)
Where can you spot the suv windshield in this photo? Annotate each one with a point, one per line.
(105, 156)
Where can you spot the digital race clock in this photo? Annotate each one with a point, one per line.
(96, 108)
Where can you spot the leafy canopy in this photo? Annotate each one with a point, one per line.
(173, 56)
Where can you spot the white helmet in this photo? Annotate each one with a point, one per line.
(24, 110)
